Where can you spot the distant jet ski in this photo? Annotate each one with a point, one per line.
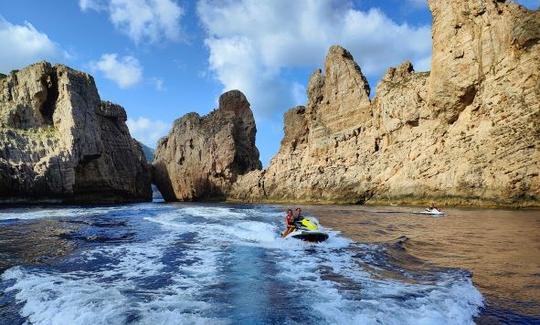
(431, 212)
(307, 229)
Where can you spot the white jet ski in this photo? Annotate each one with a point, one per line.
(431, 212)
(308, 229)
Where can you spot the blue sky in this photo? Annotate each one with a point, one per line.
(161, 59)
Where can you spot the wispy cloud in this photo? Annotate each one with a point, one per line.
(96, 5)
(157, 83)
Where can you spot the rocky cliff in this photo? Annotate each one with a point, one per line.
(202, 156)
(468, 132)
(59, 141)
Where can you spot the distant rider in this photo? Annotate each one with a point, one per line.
(289, 221)
(433, 207)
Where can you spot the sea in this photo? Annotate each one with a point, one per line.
(216, 263)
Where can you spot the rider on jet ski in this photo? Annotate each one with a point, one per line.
(298, 215)
(433, 208)
(289, 221)
(293, 221)
(299, 227)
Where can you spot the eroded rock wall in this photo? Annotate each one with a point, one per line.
(59, 141)
(202, 156)
(468, 132)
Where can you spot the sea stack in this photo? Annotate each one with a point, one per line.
(465, 133)
(202, 156)
(59, 141)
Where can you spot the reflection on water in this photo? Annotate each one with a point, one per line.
(500, 247)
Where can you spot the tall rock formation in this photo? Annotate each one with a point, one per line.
(59, 141)
(202, 156)
(466, 133)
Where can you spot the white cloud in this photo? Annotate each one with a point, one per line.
(142, 20)
(251, 43)
(147, 131)
(96, 5)
(125, 71)
(237, 65)
(23, 45)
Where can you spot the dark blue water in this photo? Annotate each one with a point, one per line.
(215, 264)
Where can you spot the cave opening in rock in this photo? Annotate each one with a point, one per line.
(49, 105)
(156, 194)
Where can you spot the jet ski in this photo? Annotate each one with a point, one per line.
(308, 229)
(431, 212)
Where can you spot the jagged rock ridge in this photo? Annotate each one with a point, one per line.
(465, 133)
(60, 141)
(202, 156)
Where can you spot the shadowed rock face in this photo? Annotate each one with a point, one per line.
(466, 133)
(60, 141)
(202, 156)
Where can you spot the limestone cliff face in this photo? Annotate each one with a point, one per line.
(58, 140)
(468, 132)
(202, 156)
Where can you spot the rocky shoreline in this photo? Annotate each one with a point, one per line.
(410, 201)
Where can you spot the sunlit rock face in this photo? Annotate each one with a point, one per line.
(202, 156)
(59, 141)
(465, 133)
